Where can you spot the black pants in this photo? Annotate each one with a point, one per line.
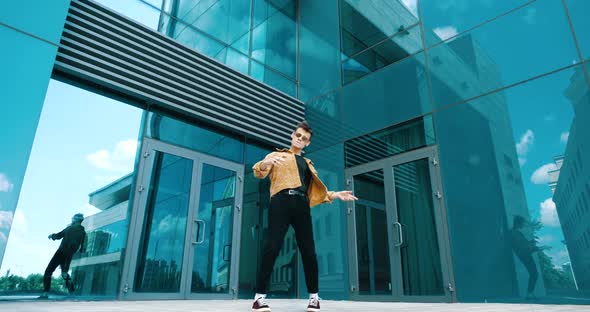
(288, 210)
(62, 259)
(530, 266)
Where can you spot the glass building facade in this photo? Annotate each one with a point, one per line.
(460, 125)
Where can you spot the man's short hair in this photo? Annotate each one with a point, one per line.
(78, 218)
(305, 126)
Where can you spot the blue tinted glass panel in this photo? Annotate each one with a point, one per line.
(144, 12)
(513, 181)
(445, 19)
(392, 95)
(480, 60)
(273, 78)
(392, 50)
(189, 10)
(107, 239)
(44, 19)
(226, 20)
(196, 138)
(256, 203)
(242, 44)
(389, 142)
(199, 41)
(320, 48)
(274, 43)
(331, 248)
(578, 10)
(366, 23)
(26, 68)
(266, 9)
(233, 59)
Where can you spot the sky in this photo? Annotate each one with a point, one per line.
(85, 141)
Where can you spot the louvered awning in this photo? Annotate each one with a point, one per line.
(104, 50)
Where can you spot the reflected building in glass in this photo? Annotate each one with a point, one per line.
(97, 271)
(460, 127)
(572, 189)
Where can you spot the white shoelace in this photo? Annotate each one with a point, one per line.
(314, 301)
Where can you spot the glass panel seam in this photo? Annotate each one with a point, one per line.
(26, 33)
(576, 41)
(382, 68)
(196, 19)
(458, 34)
(383, 41)
(426, 65)
(445, 107)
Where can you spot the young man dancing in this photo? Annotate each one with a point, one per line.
(294, 188)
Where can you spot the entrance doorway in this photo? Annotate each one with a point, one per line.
(185, 227)
(397, 230)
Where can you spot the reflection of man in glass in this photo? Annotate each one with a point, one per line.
(524, 250)
(294, 187)
(72, 240)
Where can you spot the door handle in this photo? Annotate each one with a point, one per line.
(229, 253)
(199, 222)
(401, 235)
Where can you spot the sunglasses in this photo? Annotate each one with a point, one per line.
(301, 136)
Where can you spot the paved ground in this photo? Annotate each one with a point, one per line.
(277, 305)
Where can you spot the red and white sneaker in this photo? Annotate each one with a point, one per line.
(260, 305)
(314, 305)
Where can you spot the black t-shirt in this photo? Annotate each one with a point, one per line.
(72, 238)
(304, 173)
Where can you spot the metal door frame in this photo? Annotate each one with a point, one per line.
(137, 217)
(441, 223)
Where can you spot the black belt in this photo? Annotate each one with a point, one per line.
(292, 192)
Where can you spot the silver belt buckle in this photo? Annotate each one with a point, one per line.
(291, 192)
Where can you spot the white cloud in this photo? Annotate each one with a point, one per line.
(19, 223)
(5, 184)
(167, 224)
(5, 220)
(531, 16)
(541, 175)
(564, 137)
(120, 159)
(412, 5)
(526, 140)
(10, 222)
(446, 32)
(549, 213)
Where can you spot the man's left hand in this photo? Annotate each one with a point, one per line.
(345, 196)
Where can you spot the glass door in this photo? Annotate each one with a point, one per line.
(371, 238)
(184, 230)
(397, 229)
(215, 226)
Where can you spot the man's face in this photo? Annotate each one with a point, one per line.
(300, 138)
